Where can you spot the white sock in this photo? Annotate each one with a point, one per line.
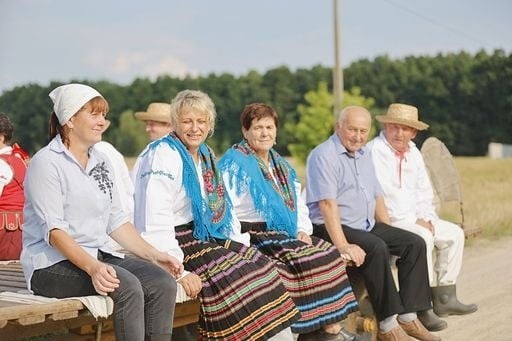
(408, 317)
(388, 323)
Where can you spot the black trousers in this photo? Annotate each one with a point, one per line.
(379, 243)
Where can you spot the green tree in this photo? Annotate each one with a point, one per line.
(129, 137)
(316, 121)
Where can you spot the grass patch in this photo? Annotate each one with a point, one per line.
(486, 188)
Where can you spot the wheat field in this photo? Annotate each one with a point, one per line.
(487, 195)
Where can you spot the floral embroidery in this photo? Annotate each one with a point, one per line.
(158, 172)
(275, 201)
(100, 174)
(213, 185)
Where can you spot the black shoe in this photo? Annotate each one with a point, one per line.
(444, 299)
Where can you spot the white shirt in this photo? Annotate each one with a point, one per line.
(246, 211)
(161, 201)
(60, 194)
(123, 181)
(6, 172)
(407, 197)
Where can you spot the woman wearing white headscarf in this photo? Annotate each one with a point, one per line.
(71, 209)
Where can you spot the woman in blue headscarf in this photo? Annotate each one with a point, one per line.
(265, 193)
(180, 201)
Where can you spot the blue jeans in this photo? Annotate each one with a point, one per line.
(143, 303)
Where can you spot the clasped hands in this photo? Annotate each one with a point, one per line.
(352, 254)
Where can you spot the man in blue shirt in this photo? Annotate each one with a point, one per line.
(347, 207)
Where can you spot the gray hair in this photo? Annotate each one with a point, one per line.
(343, 113)
(196, 100)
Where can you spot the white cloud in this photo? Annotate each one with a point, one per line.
(129, 65)
(169, 65)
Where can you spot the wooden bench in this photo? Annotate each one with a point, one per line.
(24, 319)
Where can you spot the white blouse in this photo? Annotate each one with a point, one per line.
(246, 211)
(161, 201)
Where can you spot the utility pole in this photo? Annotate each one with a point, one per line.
(337, 72)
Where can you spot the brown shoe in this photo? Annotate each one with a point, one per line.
(418, 331)
(395, 334)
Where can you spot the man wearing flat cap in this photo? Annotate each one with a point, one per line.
(157, 119)
(409, 199)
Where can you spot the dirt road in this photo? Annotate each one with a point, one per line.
(486, 279)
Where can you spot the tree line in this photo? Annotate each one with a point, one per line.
(465, 98)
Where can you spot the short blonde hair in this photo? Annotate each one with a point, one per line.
(194, 99)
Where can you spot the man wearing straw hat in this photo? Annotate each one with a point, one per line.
(347, 208)
(157, 119)
(158, 124)
(409, 199)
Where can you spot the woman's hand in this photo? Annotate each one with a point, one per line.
(169, 263)
(104, 278)
(304, 237)
(192, 284)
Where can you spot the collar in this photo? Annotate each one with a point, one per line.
(5, 150)
(56, 145)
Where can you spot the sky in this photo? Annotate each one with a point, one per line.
(63, 40)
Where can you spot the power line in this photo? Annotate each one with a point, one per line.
(437, 23)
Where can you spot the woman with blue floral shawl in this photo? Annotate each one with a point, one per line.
(180, 202)
(266, 194)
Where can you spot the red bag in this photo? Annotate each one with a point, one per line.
(10, 235)
(11, 202)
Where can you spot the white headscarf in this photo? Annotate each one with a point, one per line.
(68, 99)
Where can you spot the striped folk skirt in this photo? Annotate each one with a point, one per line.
(243, 297)
(314, 275)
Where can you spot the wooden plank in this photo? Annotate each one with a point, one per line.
(186, 313)
(15, 331)
(18, 320)
(28, 310)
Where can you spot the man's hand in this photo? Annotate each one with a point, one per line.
(192, 284)
(352, 252)
(428, 225)
(303, 237)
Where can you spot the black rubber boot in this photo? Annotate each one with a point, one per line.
(431, 321)
(444, 299)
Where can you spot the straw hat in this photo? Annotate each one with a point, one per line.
(160, 112)
(402, 114)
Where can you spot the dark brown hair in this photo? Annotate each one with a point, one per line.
(6, 127)
(256, 111)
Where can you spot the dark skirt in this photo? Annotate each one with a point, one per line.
(242, 297)
(314, 275)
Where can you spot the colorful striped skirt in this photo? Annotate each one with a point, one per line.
(242, 297)
(314, 275)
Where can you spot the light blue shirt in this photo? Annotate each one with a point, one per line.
(332, 173)
(60, 194)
